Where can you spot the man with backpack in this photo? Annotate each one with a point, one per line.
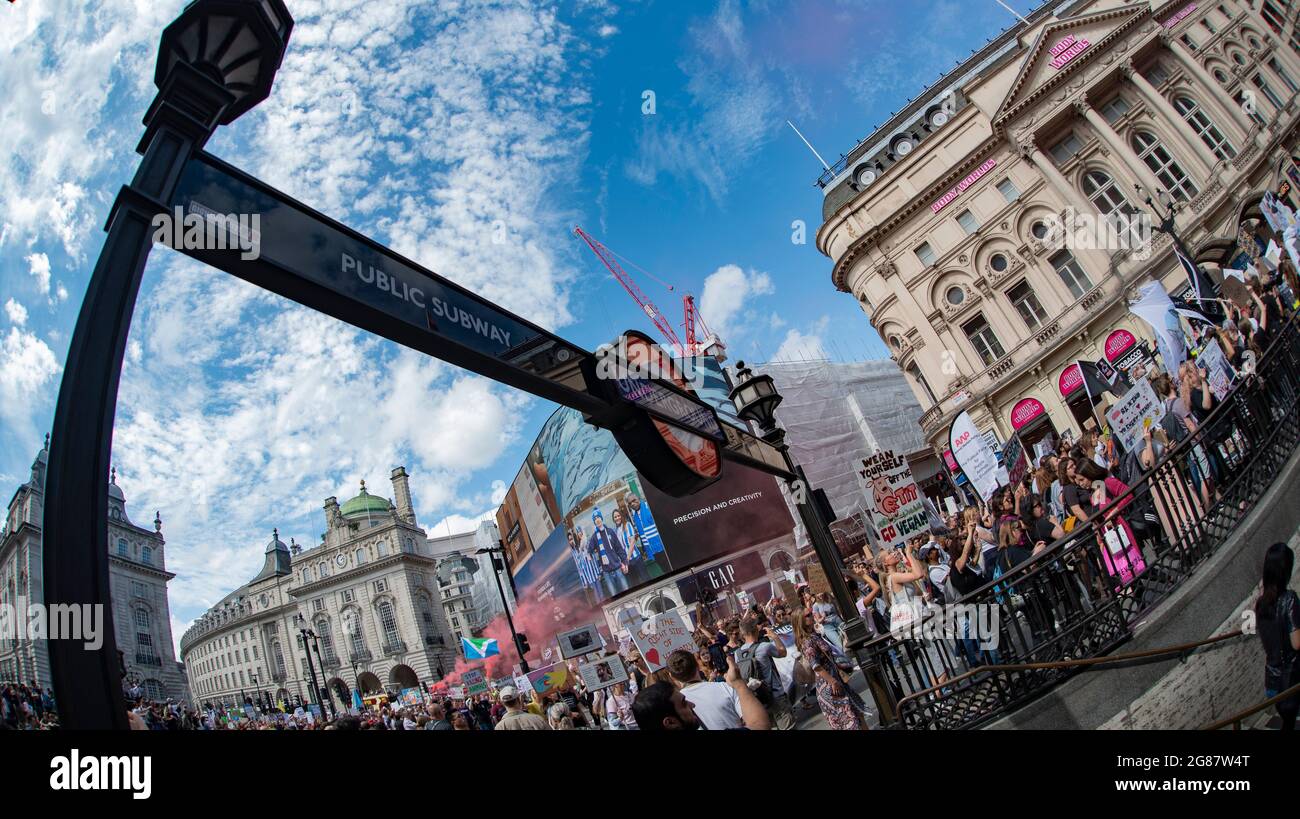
(754, 659)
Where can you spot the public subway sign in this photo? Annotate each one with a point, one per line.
(1066, 50)
(961, 186)
(1025, 411)
(1179, 15)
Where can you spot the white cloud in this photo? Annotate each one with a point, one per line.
(27, 372)
(40, 270)
(74, 59)
(776, 322)
(738, 101)
(800, 346)
(727, 292)
(607, 30)
(458, 524)
(16, 312)
(60, 293)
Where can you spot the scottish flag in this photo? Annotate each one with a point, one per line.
(479, 649)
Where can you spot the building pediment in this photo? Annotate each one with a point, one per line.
(1061, 47)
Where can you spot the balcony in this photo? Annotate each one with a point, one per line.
(434, 640)
(394, 647)
(331, 661)
(361, 656)
(148, 659)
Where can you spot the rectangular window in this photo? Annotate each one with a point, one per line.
(381, 585)
(926, 254)
(1114, 108)
(1263, 86)
(1028, 306)
(1285, 77)
(968, 221)
(349, 596)
(1071, 273)
(1205, 21)
(255, 657)
(318, 604)
(1066, 149)
(1273, 16)
(981, 337)
(1189, 42)
(1008, 190)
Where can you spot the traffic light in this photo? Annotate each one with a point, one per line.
(521, 642)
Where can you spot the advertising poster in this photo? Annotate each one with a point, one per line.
(534, 511)
(662, 636)
(510, 522)
(1217, 369)
(1134, 414)
(973, 455)
(893, 498)
(602, 672)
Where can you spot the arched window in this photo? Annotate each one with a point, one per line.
(121, 547)
(426, 614)
(361, 556)
(1204, 128)
(1067, 267)
(1167, 172)
(660, 603)
(382, 548)
(388, 622)
(322, 570)
(1104, 194)
(322, 629)
(781, 562)
(278, 654)
(146, 555)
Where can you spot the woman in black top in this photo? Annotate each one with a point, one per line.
(1278, 617)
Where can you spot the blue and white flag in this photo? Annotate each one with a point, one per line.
(479, 649)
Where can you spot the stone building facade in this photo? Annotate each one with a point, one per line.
(138, 580)
(938, 222)
(368, 592)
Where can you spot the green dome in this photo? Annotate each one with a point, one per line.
(365, 505)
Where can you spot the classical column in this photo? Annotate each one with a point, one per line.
(1098, 261)
(1118, 146)
(1233, 119)
(1183, 131)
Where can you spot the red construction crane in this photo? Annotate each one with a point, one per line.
(711, 343)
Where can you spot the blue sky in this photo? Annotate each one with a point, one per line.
(431, 127)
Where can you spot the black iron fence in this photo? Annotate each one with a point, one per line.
(1082, 596)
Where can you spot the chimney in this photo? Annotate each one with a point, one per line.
(402, 488)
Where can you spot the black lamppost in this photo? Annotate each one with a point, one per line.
(756, 399)
(521, 642)
(216, 61)
(309, 638)
(1165, 209)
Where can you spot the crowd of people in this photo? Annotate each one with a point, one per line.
(27, 707)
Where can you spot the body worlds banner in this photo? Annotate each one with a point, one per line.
(893, 498)
(974, 455)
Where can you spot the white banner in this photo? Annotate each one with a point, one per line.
(974, 455)
(893, 498)
(1133, 414)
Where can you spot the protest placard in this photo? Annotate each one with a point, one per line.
(1133, 414)
(893, 498)
(662, 636)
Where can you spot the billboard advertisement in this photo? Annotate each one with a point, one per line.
(610, 532)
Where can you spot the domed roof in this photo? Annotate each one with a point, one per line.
(114, 491)
(365, 505)
(276, 544)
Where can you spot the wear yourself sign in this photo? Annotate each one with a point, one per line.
(893, 498)
(973, 454)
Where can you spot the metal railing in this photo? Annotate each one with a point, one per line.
(1075, 600)
(1236, 719)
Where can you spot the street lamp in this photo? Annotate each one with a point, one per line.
(756, 399)
(309, 637)
(521, 645)
(1166, 209)
(216, 61)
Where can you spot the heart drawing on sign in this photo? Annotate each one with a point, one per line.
(653, 656)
